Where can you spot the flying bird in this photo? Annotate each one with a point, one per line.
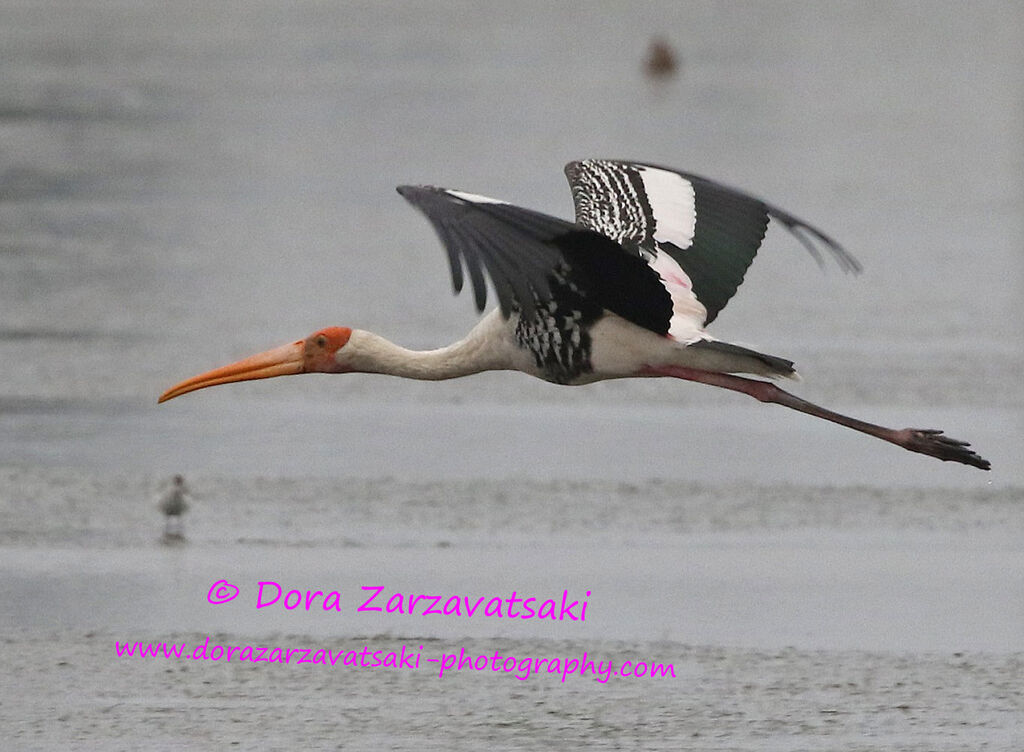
(661, 60)
(627, 290)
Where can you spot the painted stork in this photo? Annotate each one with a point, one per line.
(625, 291)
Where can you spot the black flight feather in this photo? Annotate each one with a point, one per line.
(611, 197)
(526, 253)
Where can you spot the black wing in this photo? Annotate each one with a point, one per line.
(530, 256)
(712, 231)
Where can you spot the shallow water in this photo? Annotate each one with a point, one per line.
(819, 589)
(181, 186)
(185, 187)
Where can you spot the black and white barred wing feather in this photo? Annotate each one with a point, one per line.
(533, 259)
(699, 235)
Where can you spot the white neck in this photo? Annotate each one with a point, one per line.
(370, 353)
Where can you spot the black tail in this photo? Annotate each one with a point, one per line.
(778, 366)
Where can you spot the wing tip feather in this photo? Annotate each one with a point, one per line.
(795, 226)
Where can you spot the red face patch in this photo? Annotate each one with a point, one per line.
(335, 337)
(321, 347)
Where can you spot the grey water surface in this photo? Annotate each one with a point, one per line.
(184, 184)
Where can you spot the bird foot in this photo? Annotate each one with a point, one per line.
(932, 442)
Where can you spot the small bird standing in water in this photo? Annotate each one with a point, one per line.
(174, 506)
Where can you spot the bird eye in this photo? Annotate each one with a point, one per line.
(321, 341)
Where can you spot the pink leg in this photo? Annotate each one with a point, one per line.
(926, 441)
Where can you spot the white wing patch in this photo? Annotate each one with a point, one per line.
(474, 198)
(688, 313)
(672, 204)
(671, 217)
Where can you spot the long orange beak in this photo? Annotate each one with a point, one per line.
(281, 361)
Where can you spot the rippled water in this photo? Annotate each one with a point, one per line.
(181, 185)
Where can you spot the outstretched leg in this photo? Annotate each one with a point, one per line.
(926, 441)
